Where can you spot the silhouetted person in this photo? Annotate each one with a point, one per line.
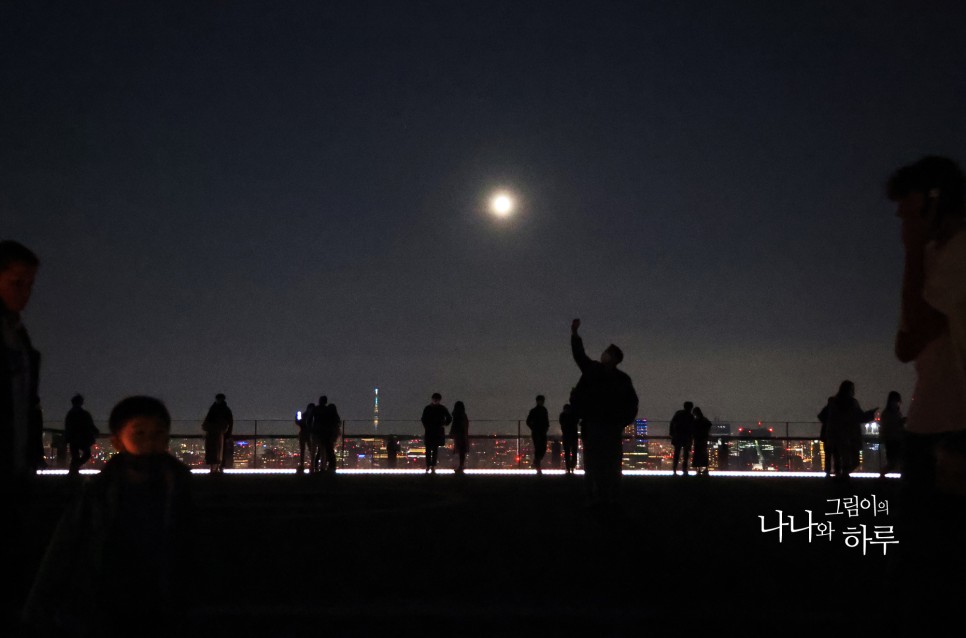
(304, 425)
(568, 431)
(827, 444)
(392, 450)
(930, 203)
(845, 420)
(217, 423)
(605, 401)
(460, 432)
(36, 441)
(435, 419)
(333, 423)
(119, 550)
(80, 432)
(19, 376)
(20, 373)
(702, 432)
(318, 431)
(892, 432)
(681, 430)
(538, 420)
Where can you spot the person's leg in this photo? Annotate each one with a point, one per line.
(74, 459)
(539, 449)
(677, 456)
(685, 452)
(85, 456)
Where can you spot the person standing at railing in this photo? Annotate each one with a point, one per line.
(605, 400)
(304, 424)
(333, 423)
(845, 420)
(435, 419)
(538, 420)
(568, 430)
(217, 423)
(681, 430)
(317, 432)
(702, 433)
(80, 432)
(892, 431)
(460, 432)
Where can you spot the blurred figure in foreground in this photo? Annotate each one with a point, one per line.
(118, 551)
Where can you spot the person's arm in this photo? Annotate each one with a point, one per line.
(577, 347)
(447, 417)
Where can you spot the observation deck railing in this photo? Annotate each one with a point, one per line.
(494, 444)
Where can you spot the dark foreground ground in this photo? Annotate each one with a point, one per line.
(522, 555)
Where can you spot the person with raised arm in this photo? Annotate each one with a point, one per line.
(605, 401)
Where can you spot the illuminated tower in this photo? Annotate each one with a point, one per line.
(375, 412)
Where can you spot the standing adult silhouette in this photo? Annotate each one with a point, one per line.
(845, 419)
(80, 432)
(217, 423)
(19, 455)
(605, 400)
(304, 424)
(538, 420)
(702, 433)
(318, 432)
(332, 424)
(460, 431)
(682, 435)
(435, 419)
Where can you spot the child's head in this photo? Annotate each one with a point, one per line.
(140, 425)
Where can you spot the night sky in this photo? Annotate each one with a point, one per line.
(276, 200)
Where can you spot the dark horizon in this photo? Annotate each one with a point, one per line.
(281, 202)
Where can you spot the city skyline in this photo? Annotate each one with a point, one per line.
(282, 202)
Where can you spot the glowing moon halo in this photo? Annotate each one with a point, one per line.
(502, 205)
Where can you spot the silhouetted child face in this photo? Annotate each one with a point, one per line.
(142, 435)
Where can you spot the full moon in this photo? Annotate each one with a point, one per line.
(501, 205)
